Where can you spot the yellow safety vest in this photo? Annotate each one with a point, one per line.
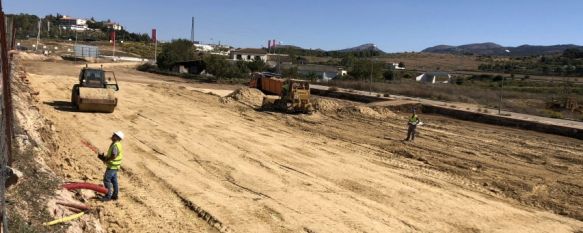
(115, 163)
(413, 119)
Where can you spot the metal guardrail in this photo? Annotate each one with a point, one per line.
(7, 42)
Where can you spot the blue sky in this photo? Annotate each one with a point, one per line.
(395, 26)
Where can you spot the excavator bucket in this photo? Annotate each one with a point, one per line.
(96, 100)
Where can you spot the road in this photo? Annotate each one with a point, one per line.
(345, 170)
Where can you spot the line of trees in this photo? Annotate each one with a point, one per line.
(182, 50)
(27, 27)
(569, 63)
(295, 51)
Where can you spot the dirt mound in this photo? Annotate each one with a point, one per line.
(326, 105)
(385, 112)
(361, 111)
(38, 57)
(367, 112)
(334, 106)
(249, 96)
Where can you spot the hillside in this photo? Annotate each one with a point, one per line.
(496, 49)
(361, 48)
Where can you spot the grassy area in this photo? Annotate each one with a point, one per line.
(144, 50)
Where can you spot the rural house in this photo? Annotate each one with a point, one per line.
(249, 55)
(69, 23)
(434, 77)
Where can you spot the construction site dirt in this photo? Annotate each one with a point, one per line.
(197, 163)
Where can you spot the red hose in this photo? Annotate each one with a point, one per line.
(94, 187)
(73, 205)
(74, 210)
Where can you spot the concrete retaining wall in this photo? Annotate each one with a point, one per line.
(347, 96)
(504, 121)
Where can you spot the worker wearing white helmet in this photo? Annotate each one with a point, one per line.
(113, 161)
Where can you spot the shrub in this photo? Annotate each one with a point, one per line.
(147, 67)
(554, 114)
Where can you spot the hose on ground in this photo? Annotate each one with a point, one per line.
(73, 205)
(74, 210)
(65, 219)
(94, 187)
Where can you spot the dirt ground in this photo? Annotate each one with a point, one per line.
(195, 163)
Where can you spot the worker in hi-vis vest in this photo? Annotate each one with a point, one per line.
(412, 123)
(113, 161)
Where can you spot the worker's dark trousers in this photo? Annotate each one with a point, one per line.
(411, 132)
(109, 180)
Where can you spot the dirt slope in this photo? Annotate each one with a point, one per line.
(190, 154)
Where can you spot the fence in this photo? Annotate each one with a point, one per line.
(86, 51)
(7, 42)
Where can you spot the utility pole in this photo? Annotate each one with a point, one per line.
(75, 47)
(371, 68)
(113, 40)
(502, 84)
(500, 100)
(192, 31)
(38, 35)
(155, 39)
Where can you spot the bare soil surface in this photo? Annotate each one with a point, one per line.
(196, 163)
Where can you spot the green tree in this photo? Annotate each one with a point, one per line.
(256, 65)
(223, 69)
(292, 72)
(362, 69)
(389, 74)
(175, 51)
(347, 61)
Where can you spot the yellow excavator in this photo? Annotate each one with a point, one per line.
(94, 92)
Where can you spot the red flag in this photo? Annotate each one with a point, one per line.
(153, 35)
(112, 36)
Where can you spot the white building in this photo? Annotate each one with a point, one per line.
(203, 47)
(434, 77)
(114, 26)
(397, 67)
(69, 23)
(249, 55)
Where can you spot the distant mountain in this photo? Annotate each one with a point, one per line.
(526, 50)
(360, 48)
(480, 48)
(496, 49)
(282, 46)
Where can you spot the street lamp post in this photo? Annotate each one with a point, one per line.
(75, 47)
(500, 100)
(371, 68)
(502, 87)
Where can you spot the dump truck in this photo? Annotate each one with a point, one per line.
(95, 92)
(293, 95)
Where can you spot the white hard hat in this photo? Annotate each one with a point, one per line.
(119, 134)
